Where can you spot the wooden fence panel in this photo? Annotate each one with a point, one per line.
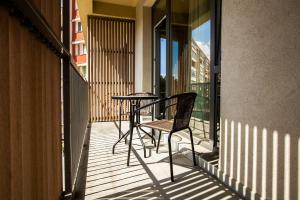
(111, 65)
(30, 121)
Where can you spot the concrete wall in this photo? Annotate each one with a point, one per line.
(260, 139)
(143, 45)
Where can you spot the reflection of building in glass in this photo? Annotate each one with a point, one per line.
(200, 62)
(200, 78)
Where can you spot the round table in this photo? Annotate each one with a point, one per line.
(134, 101)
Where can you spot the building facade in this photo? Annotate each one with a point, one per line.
(78, 45)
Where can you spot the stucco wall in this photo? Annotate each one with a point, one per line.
(260, 96)
(143, 67)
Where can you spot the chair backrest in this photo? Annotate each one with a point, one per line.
(184, 109)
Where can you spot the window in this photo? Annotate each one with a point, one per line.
(80, 49)
(78, 27)
(84, 49)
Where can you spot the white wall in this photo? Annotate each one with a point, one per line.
(260, 104)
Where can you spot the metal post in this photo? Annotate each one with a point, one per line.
(214, 68)
(66, 99)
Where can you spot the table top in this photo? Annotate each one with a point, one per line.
(134, 97)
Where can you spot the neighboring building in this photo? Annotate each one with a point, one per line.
(200, 64)
(78, 47)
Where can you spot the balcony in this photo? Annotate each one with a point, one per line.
(80, 59)
(58, 126)
(78, 37)
(75, 14)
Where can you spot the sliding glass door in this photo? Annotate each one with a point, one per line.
(190, 34)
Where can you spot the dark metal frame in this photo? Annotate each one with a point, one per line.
(157, 62)
(216, 6)
(215, 67)
(67, 99)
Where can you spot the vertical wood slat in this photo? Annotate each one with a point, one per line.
(109, 29)
(111, 64)
(102, 68)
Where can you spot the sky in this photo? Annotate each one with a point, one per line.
(201, 35)
(163, 55)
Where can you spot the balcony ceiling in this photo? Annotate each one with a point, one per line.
(131, 3)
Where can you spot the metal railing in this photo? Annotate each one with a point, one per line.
(76, 114)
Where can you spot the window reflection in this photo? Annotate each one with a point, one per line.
(191, 33)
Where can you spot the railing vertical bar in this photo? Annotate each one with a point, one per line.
(66, 97)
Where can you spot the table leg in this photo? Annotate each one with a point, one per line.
(141, 139)
(130, 131)
(151, 136)
(123, 136)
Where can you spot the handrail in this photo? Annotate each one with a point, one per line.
(31, 17)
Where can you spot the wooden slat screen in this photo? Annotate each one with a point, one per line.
(111, 44)
(30, 122)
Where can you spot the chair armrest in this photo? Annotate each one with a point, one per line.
(166, 108)
(151, 104)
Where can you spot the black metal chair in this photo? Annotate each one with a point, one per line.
(184, 107)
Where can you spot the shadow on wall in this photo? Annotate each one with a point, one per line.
(259, 159)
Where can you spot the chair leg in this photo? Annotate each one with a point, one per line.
(153, 137)
(158, 142)
(150, 135)
(203, 125)
(142, 142)
(193, 149)
(170, 157)
(194, 122)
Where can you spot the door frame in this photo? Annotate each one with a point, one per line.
(156, 62)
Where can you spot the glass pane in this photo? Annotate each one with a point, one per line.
(191, 57)
(163, 67)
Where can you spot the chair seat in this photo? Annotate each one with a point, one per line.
(162, 125)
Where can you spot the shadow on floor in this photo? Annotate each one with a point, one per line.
(103, 175)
